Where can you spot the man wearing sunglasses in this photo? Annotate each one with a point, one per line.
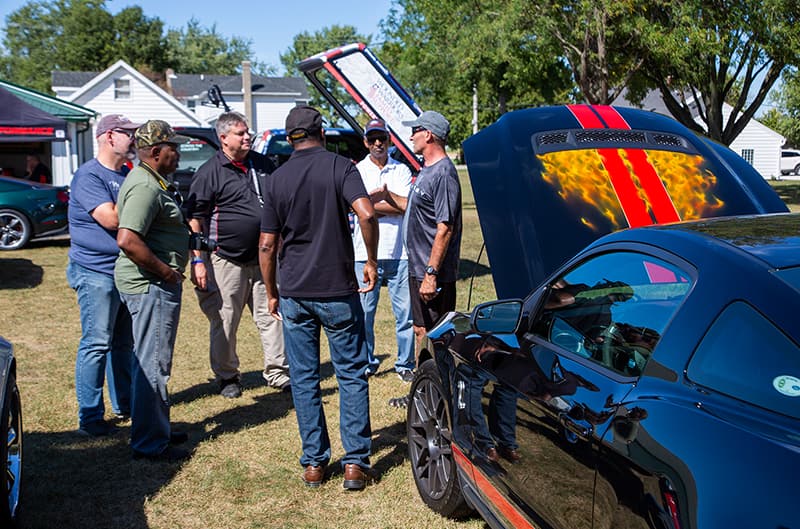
(433, 224)
(106, 344)
(382, 174)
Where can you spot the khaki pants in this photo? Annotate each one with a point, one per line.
(231, 287)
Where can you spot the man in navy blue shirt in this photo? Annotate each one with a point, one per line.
(105, 322)
(306, 202)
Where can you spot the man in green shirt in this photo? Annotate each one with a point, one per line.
(154, 241)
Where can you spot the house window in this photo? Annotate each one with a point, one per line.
(122, 89)
(747, 154)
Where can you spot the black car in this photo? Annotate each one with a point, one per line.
(346, 142)
(202, 145)
(11, 431)
(651, 379)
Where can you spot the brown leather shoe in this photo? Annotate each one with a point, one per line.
(313, 476)
(510, 454)
(355, 478)
(492, 455)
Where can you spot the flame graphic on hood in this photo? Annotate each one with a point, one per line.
(582, 178)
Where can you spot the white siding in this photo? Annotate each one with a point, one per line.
(146, 101)
(766, 146)
(269, 112)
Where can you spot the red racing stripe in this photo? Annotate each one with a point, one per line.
(586, 118)
(612, 118)
(660, 201)
(633, 206)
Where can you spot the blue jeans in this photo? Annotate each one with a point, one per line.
(105, 335)
(394, 274)
(155, 323)
(343, 321)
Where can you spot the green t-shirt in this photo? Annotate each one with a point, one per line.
(145, 207)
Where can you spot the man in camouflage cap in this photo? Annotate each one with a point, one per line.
(154, 241)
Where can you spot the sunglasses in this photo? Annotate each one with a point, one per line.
(128, 133)
(416, 129)
(382, 138)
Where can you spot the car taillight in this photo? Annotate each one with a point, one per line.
(671, 501)
(62, 196)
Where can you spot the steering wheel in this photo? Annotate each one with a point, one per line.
(610, 346)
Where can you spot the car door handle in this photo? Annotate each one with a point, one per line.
(578, 428)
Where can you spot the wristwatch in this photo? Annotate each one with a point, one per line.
(431, 271)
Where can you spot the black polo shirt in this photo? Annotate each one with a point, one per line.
(227, 198)
(306, 201)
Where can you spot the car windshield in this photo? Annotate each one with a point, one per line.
(194, 154)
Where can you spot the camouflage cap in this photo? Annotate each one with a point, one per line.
(156, 131)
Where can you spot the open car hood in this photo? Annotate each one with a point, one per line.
(549, 181)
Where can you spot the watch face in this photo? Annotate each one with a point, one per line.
(430, 270)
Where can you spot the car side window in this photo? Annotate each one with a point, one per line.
(743, 355)
(612, 309)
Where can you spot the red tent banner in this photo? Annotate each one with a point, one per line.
(22, 122)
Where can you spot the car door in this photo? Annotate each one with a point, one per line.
(548, 398)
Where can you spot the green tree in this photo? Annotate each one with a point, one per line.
(702, 54)
(784, 117)
(596, 38)
(203, 50)
(492, 52)
(305, 45)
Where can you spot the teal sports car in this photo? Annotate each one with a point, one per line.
(30, 209)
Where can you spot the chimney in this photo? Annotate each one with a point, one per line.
(170, 75)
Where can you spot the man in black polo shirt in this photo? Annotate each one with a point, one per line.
(306, 202)
(225, 202)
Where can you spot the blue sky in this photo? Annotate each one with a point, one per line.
(270, 26)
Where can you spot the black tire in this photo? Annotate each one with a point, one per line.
(11, 452)
(15, 229)
(797, 169)
(429, 437)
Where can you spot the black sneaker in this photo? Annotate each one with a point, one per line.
(230, 389)
(97, 429)
(406, 375)
(170, 454)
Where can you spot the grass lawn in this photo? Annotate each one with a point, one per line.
(245, 471)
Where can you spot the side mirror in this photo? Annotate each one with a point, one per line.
(497, 316)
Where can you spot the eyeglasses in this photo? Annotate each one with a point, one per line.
(128, 133)
(416, 129)
(382, 138)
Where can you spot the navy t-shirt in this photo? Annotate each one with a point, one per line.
(92, 246)
(306, 201)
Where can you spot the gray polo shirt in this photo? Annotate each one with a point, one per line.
(435, 197)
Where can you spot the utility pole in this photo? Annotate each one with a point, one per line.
(247, 88)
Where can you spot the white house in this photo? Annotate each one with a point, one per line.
(184, 102)
(757, 143)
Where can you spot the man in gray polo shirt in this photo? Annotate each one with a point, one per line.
(433, 224)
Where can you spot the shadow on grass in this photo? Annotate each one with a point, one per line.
(110, 488)
(467, 268)
(16, 274)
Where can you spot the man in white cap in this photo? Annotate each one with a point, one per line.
(381, 174)
(106, 343)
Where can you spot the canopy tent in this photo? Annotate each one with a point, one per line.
(22, 122)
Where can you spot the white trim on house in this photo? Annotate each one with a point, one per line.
(108, 75)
